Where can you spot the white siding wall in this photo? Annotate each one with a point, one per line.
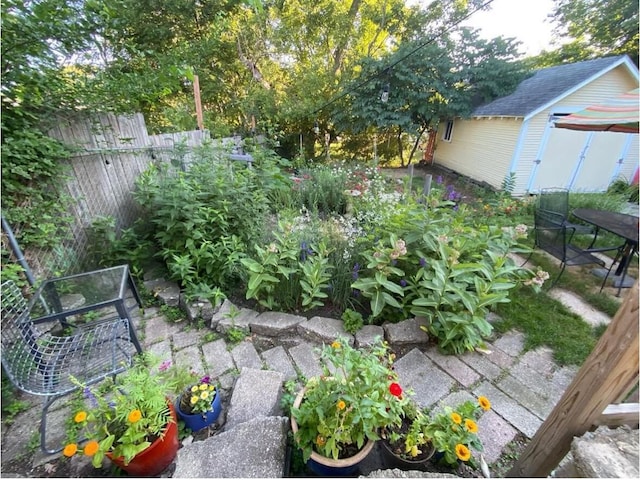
(480, 149)
(605, 146)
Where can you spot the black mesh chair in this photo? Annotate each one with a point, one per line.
(42, 363)
(554, 237)
(556, 200)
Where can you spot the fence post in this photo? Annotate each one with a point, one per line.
(607, 372)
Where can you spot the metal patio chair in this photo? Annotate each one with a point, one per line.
(40, 362)
(556, 200)
(554, 237)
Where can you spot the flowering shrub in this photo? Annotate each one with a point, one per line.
(455, 431)
(123, 419)
(357, 395)
(198, 398)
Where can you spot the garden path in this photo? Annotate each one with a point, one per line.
(522, 386)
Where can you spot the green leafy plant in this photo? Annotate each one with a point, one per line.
(235, 335)
(409, 440)
(454, 432)
(198, 398)
(352, 321)
(124, 419)
(357, 395)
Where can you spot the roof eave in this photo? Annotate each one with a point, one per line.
(623, 61)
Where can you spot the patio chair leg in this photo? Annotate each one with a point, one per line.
(43, 426)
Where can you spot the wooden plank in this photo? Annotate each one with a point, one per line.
(604, 376)
(620, 414)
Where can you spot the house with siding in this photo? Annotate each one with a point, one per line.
(515, 134)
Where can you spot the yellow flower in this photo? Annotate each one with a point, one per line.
(484, 403)
(341, 405)
(91, 448)
(413, 451)
(320, 440)
(134, 416)
(456, 418)
(70, 450)
(211, 387)
(204, 395)
(336, 344)
(194, 400)
(80, 417)
(462, 452)
(203, 386)
(471, 425)
(194, 388)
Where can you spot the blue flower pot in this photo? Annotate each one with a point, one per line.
(198, 421)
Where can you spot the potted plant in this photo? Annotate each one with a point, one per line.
(129, 420)
(407, 446)
(199, 405)
(337, 417)
(454, 431)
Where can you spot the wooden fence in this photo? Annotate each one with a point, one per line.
(110, 153)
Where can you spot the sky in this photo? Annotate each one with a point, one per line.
(525, 20)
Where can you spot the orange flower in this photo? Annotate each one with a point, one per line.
(134, 416)
(91, 448)
(70, 450)
(320, 440)
(80, 417)
(484, 403)
(471, 425)
(462, 452)
(456, 418)
(341, 405)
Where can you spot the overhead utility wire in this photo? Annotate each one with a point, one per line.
(386, 69)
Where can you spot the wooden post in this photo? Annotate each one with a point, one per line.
(611, 367)
(196, 95)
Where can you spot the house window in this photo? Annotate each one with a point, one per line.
(448, 130)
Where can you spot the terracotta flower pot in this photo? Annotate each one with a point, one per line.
(328, 467)
(157, 457)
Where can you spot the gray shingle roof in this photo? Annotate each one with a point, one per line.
(543, 86)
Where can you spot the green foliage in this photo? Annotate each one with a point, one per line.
(32, 175)
(11, 404)
(597, 29)
(454, 431)
(321, 189)
(133, 411)
(131, 246)
(357, 395)
(206, 217)
(621, 187)
(235, 335)
(172, 314)
(352, 321)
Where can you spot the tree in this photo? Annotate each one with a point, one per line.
(428, 80)
(596, 28)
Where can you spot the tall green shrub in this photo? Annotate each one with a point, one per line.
(205, 218)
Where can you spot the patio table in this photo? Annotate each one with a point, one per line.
(90, 296)
(620, 224)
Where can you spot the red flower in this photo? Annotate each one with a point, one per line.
(395, 389)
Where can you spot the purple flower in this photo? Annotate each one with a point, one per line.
(403, 283)
(423, 262)
(88, 395)
(439, 180)
(455, 207)
(205, 379)
(355, 292)
(164, 366)
(354, 273)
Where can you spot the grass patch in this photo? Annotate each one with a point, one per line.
(546, 321)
